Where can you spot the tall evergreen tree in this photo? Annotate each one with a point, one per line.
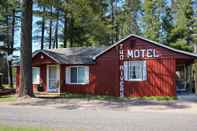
(181, 34)
(167, 24)
(194, 26)
(26, 50)
(152, 19)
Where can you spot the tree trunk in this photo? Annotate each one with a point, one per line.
(50, 29)
(26, 50)
(11, 46)
(43, 30)
(112, 20)
(56, 29)
(71, 31)
(65, 30)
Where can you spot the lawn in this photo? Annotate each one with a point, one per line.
(7, 98)
(99, 97)
(12, 128)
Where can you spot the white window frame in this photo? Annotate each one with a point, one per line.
(68, 78)
(144, 70)
(38, 79)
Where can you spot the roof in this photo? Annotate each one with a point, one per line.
(153, 42)
(77, 55)
(88, 55)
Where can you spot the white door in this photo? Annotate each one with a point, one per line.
(53, 78)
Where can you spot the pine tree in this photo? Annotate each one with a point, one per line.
(181, 34)
(167, 24)
(194, 26)
(152, 19)
(26, 50)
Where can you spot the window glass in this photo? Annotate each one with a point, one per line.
(81, 75)
(135, 70)
(73, 74)
(52, 72)
(36, 75)
(77, 75)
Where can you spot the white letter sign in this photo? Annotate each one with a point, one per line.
(141, 53)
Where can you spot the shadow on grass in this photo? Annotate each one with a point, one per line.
(78, 101)
(6, 91)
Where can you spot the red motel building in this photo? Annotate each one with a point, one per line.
(134, 66)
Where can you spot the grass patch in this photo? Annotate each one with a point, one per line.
(25, 128)
(159, 98)
(98, 97)
(11, 128)
(7, 86)
(92, 97)
(7, 98)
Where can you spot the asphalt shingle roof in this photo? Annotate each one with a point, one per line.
(77, 55)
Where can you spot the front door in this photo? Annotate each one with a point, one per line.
(53, 78)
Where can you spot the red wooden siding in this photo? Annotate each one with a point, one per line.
(160, 71)
(160, 80)
(105, 74)
(41, 58)
(79, 88)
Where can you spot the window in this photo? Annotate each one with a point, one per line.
(36, 75)
(77, 75)
(135, 70)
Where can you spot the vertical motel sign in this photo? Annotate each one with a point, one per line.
(121, 58)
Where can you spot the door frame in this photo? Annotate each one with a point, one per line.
(58, 76)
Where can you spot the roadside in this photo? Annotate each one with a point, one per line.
(97, 120)
(181, 105)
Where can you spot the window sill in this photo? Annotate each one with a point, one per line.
(136, 80)
(36, 83)
(76, 83)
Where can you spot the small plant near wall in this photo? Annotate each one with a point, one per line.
(40, 87)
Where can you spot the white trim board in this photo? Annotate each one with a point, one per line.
(153, 42)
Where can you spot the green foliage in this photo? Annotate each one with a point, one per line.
(152, 18)
(102, 22)
(182, 45)
(181, 35)
(127, 18)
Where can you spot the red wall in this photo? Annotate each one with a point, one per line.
(160, 80)
(105, 74)
(85, 89)
(160, 71)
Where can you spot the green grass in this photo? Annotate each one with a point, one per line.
(7, 86)
(159, 98)
(7, 98)
(12, 128)
(91, 97)
(98, 97)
